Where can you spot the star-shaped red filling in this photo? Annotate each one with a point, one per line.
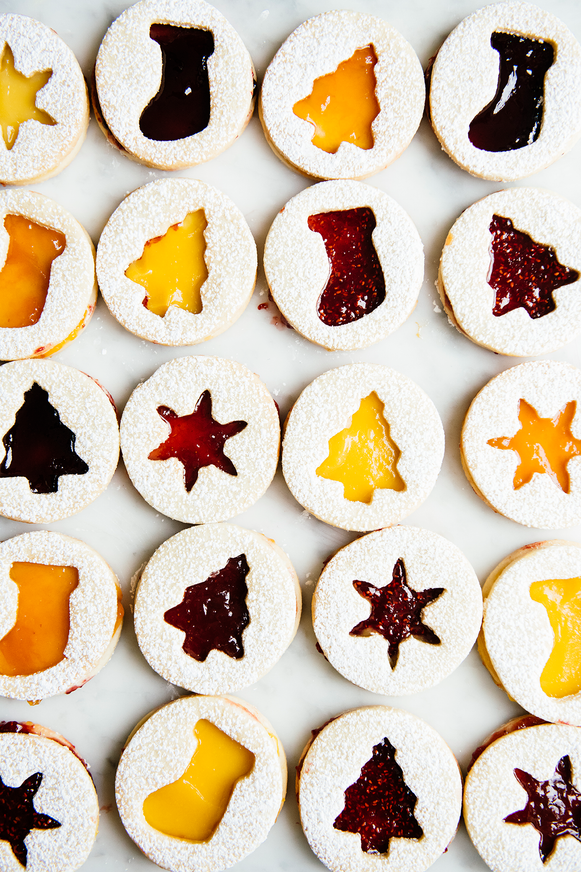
(18, 815)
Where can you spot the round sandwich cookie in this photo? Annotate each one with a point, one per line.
(48, 288)
(510, 272)
(343, 96)
(344, 264)
(174, 83)
(377, 787)
(397, 610)
(50, 809)
(504, 91)
(44, 109)
(520, 441)
(176, 262)
(229, 754)
(200, 439)
(362, 447)
(216, 607)
(522, 797)
(60, 440)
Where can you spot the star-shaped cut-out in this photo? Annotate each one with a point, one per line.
(553, 806)
(197, 440)
(544, 445)
(18, 815)
(396, 611)
(17, 98)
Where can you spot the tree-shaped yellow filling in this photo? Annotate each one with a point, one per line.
(562, 599)
(18, 97)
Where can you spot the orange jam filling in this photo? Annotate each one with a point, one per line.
(40, 634)
(343, 105)
(192, 807)
(562, 599)
(363, 457)
(172, 268)
(18, 98)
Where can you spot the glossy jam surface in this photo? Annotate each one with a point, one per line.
(18, 98)
(181, 107)
(380, 806)
(213, 613)
(25, 276)
(39, 446)
(192, 807)
(363, 457)
(562, 599)
(514, 117)
(543, 445)
(523, 273)
(356, 285)
(172, 268)
(343, 105)
(18, 816)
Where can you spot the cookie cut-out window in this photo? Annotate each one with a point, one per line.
(18, 98)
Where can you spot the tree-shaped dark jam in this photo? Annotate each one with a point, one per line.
(380, 806)
(213, 614)
(356, 285)
(39, 446)
(18, 817)
(514, 117)
(181, 107)
(523, 273)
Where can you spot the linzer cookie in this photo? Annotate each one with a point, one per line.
(504, 91)
(397, 611)
(44, 107)
(344, 264)
(520, 441)
(362, 447)
(60, 440)
(200, 439)
(174, 83)
(342, 97)
(216, 607)
(200, 783)
(378, 787)
(176, 262)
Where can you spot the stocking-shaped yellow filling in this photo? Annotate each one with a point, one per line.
(363, 457)
(18, 97)
(39, 637)
(562, 599)
(192, 807)
(172, 268)
(343, 105)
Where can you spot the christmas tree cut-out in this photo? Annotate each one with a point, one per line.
(18, 817)
(561, 597)
(18, 98)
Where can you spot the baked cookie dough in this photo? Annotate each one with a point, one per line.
(362, 447)
(171, 749)
(508, 77)
(176, 262)
(216, 607)
(374, 115)
(344, 264)
(159, 111)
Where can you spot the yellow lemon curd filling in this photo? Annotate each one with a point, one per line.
(18, 98)
(562, 599)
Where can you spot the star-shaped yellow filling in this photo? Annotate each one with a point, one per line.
(18, 97)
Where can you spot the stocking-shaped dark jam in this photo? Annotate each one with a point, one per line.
(39, 446)
(356, 285)
(181, 107)
(523, 273)
(213, 614)
(514, 117)
(380, 806)
(18, 817)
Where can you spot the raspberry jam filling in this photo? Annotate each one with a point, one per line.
(18, 98)
(18, 816)
(562, 599)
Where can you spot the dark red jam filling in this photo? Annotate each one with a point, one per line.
(39, 446)
(356, 285)
(514, 117)
(18, 817)
(181, 107)
(213, 614)
(523, 273)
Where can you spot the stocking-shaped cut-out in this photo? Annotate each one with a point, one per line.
(356, 285)
(18, 98)
(343, 105)
(181, 107)
(562, 599)
(380, 806)
(514, 116)
(39, 446)
(18, 816)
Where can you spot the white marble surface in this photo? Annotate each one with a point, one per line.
(303, 690)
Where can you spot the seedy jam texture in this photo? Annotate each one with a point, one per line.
(514, 117)
(18, 817)
(356, 285)
(213, 614)
(181, 107)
